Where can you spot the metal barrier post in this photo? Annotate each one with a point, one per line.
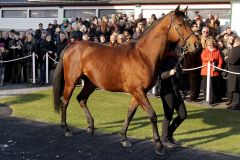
(208, 82)
(46, 67)
(33, 70)
(154, 90)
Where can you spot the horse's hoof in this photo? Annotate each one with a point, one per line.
(126, 143)
(68, 134)
(160, 151)
(90, 131)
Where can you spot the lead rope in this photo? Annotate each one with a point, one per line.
(176, 67)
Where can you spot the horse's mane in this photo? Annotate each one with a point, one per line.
(146, 31)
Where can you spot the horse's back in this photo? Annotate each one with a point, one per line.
(101, 64)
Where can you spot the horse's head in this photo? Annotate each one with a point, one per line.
(180, 31)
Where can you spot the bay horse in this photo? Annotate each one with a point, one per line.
(131, 68)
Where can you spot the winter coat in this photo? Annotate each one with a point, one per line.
(46, 46)
(3, 57)
(233, 61)
(15, 53)
(60, 46)
(215, 58)
(28, 49)
(169, 83)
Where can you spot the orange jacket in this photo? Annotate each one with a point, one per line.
(213, 56)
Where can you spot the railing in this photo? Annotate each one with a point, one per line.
(208, 77)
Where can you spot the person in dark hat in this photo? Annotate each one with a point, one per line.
(64, 25)
(50, 29)
(38, 32)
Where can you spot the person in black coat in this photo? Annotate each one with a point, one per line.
(61, 44)
(38, 32)
(3, 57)
(46, 46)
(233, 60)
(29, 47)
(171, 99)
(15, 50)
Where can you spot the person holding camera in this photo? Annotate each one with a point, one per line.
(212, 54)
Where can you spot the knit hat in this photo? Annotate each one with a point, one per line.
(65, 20)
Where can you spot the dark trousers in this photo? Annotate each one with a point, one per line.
(170, 102)
(43, 71)
(235, 99)
(16, 72)
(8, 72)
(2, 72)
(24, 69)
(215, 88)
(194, 85)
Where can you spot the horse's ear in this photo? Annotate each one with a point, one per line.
(177, 9)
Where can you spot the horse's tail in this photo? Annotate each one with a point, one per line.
(58, 84)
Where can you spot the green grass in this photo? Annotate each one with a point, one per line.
(208, 129)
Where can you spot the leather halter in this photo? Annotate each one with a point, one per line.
(184, 39)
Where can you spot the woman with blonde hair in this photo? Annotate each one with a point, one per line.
(29, 47)
(212, 54)
(113, 40)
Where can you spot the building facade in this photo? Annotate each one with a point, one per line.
(25, 14)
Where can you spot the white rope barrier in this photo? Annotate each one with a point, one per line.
(15, 59)
(53, 59)
(225, 70)
(191, 69)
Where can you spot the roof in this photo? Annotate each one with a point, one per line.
(21, 3)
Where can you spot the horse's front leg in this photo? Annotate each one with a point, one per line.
(145, 104)
(131, 111)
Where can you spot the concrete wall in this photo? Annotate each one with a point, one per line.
(235, 19)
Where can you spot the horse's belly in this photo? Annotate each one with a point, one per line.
(107, 82)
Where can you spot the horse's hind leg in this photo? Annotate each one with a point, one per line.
(82, 98)
(131, 111)
(67, 92)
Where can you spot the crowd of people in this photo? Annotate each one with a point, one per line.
(218, 48)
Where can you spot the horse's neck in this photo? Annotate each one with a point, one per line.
(153, 44)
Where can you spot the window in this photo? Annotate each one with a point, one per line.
(43, 14)
(223, 13)
(109, 12)
(80, 13)
(14, 13)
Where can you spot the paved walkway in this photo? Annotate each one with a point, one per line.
(23, 139)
